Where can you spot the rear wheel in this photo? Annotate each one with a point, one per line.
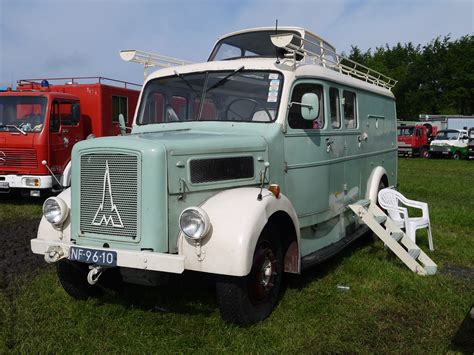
(456, 156)
(250, 299)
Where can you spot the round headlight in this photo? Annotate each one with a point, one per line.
(194, 223)
(55, 210)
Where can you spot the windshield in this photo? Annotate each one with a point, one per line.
(249, 44)
(22, 113)
(237, 95)
(447, 135)
(405, 131)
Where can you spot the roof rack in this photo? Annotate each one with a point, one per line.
(74, 80)
(150, 59)
(325, 56)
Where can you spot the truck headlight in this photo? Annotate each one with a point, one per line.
(194, 223)
(55, 210)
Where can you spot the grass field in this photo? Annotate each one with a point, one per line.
(386, 309)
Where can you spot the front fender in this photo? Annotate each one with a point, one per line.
(237, 219)
(47, 231)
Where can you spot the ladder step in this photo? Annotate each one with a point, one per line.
(363, 203)
(380, 219)
(414, 253)
(397, 235)
(431, 269)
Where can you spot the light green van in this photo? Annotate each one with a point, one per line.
(242, 167)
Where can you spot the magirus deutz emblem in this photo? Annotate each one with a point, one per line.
(106, 217)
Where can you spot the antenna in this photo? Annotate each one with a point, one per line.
(276, 48)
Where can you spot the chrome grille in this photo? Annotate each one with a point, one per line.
(18, 158)
(108, 180)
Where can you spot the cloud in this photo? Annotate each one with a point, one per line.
(40, 38)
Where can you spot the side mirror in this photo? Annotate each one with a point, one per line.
(76, 113)
(123, 128)
(310, 106)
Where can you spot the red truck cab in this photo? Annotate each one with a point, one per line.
(40, 123)
(415, 139)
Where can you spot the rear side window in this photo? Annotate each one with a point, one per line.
(350, 110)
(335, 108)
(119, 106)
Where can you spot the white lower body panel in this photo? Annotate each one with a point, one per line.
(142, 260)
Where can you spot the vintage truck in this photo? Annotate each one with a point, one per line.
(40, 122)
(414, 140)
(449, 143)
(242, 167)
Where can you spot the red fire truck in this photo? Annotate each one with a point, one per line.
(415, 139)
(40, 122)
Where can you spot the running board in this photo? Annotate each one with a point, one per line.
(393, 237)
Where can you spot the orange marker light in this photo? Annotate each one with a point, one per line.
(274, 189)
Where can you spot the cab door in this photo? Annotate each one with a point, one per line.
(307, 173)
(65, 130)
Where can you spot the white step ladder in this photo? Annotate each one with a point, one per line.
(393, 237)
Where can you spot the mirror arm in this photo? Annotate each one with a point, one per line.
(299, 104)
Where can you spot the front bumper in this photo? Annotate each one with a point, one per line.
(20, 182)
(143, 260)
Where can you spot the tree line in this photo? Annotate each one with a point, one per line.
(437, 78)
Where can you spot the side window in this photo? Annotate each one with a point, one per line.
(54, 122)
(350, 109)
(295, 119)
(335, 109)
(65, 113)
(119, 106)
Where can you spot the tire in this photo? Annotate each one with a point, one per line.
(250, 299)
(456, 156)
(73, 278)
(424, 153)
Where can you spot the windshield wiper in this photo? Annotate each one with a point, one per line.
(224, 79)
(187, 83)
(13, 126)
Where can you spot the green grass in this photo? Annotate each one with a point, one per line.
(387, 309)
(14, 207)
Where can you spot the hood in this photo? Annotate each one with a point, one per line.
(181, 142)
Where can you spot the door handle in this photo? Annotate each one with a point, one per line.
(329, 143)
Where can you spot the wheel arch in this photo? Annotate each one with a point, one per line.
(378, 174)
(237, 220)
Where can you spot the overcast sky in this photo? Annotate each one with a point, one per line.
(62, 38)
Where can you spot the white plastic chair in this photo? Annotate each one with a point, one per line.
(391, 200)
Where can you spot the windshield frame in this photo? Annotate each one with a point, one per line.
(14, 126)
(205, 89)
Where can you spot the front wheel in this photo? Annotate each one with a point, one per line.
(250, 299)
(425, 153)
(73, 278)
(456, 156)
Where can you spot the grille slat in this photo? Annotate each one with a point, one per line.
(121, 171)
(18, 158)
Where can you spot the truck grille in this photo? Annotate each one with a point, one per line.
(109, 194)
(220, 169)
(18, 158)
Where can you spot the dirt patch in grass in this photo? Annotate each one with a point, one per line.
(16, 257)
(465, 273)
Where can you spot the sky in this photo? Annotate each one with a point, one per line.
(65, 38)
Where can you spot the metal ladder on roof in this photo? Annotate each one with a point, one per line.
(394, 238)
